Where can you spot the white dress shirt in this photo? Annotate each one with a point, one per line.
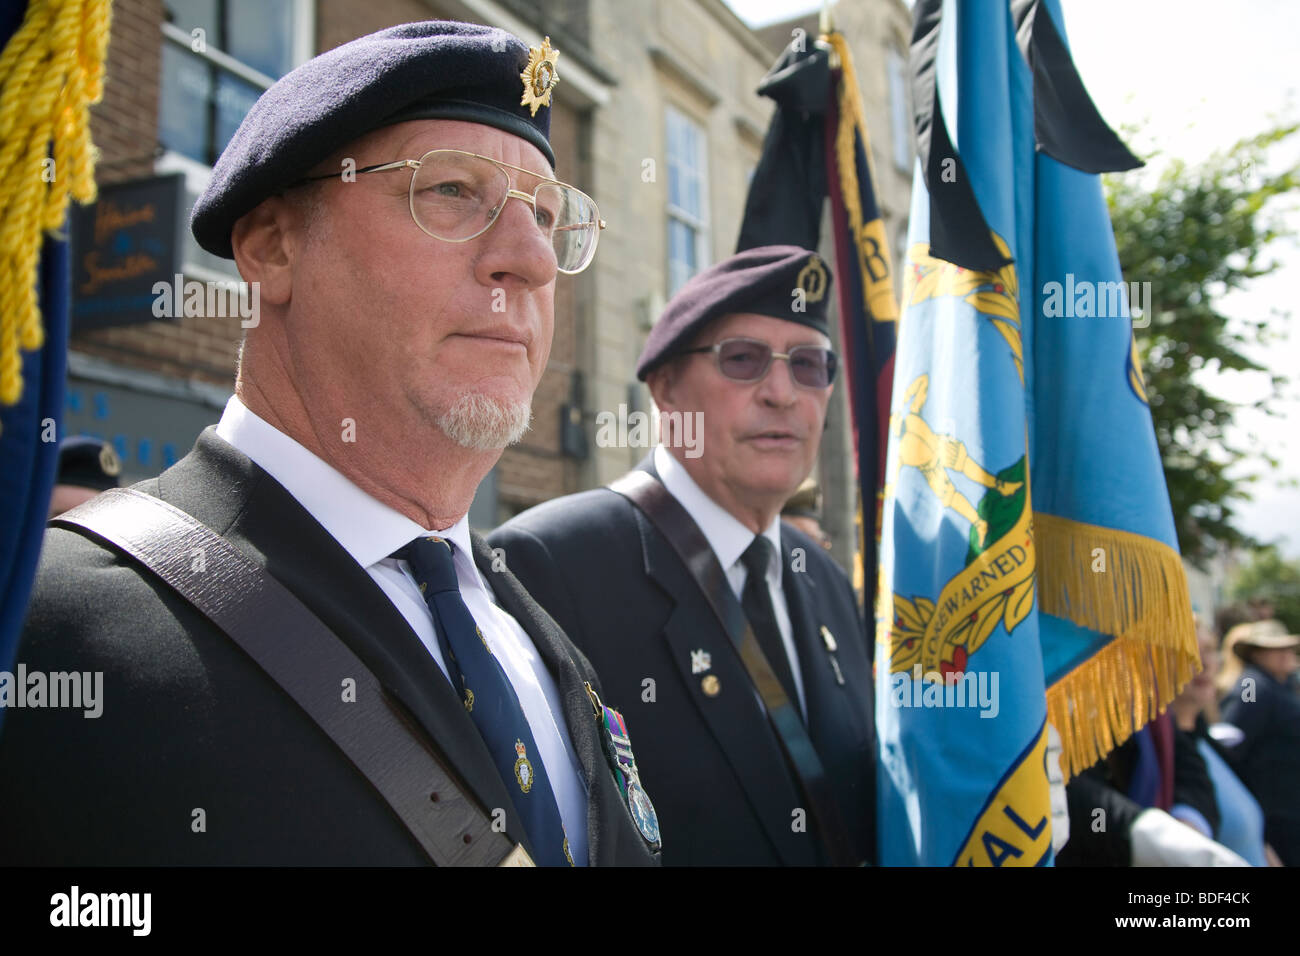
(729, 539)
(370, 531)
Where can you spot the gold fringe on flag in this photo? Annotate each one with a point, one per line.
(1132, 587)
(51, 71)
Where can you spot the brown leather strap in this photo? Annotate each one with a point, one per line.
(305, 658)
(686, 538)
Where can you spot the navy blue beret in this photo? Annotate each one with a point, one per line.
(762, 280)
(433, 70)
(88, 463)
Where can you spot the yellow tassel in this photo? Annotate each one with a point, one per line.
(51, 71)
(1141, 598)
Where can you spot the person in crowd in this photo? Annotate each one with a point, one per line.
(1265, 707)
(393, 206)
(804, 511)
(1240, 820)
(87, 466)
(733, 639)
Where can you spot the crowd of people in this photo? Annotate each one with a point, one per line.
(477, 680)
(1213, 780)
(1243, 714)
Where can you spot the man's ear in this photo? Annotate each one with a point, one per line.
(262, 242)
(661, 382)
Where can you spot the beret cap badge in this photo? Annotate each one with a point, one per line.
(539, 76)
(812, 279)
(784, 282)
(109, 461)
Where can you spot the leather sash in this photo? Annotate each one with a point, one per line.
(304, 657)
(675, 523)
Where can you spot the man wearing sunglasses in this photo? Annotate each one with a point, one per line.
(730, 639)
(394, 207)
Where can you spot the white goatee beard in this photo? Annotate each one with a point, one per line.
(480, 423)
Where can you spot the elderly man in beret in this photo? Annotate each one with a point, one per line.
(393, 204)
(731, 639)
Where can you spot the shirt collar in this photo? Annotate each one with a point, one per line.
(724, 532)
(368, 529)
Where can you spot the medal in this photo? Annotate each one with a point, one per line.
(618, 752)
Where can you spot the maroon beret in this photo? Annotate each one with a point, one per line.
(785, 282)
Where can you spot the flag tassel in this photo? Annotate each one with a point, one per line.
(1133, 587)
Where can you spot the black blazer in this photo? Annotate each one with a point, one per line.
(199, 758)
(1104, 786)
(1268, 758)
(711, 764)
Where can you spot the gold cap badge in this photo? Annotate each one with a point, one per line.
(812, 279)
(539, 76)
(109, 462)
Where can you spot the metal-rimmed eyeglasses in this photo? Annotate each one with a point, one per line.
(456, 196)
(748, 361)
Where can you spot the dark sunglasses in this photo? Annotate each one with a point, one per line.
(747, 360)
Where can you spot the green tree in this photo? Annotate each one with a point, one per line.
(1271, 579)
(1197, 232)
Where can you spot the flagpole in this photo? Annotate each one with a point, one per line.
(826, 26)
(827, 22)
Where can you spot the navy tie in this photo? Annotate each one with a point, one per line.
(489, 697)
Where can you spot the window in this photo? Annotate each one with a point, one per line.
(217, 58)
(687, 199)
(900, 116)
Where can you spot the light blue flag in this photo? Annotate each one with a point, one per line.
(1029, 568)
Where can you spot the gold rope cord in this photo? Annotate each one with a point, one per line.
(51, 71)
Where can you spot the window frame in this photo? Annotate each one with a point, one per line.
(697, 223)
(198, 174)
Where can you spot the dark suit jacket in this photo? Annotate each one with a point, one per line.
(1268, 758)
(712, 765)
(1104, 786)
(190, 723)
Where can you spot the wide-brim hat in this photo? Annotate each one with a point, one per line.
(1268, 635)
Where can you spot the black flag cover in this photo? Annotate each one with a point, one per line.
(817, 149)
(784, 205)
